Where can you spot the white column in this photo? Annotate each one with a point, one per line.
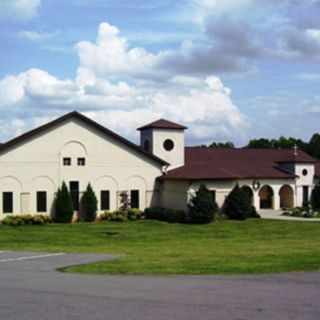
(276, 197)
(256, 199)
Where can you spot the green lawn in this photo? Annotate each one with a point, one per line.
(223, 247)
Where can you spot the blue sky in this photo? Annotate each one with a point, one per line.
(229, 70)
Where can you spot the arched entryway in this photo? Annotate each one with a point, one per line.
(286, 196)
(248, 191)
(266, 197)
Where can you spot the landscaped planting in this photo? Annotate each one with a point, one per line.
(122, 215)
(26, 219)
(301, 212)
(152, 247)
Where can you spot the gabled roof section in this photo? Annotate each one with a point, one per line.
(79, 116)
(215, 163)
(163, 124)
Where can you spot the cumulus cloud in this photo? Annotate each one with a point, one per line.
(114, 84)
(19, 9)
(110, 55)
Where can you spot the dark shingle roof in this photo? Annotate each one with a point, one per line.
(79, 116)
(317, 170)
(215, 163)
(163, 124)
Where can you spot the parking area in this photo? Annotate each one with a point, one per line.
(30, 288)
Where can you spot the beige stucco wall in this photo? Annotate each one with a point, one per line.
(304, 180)
(174, 194)
(156, 138)
(222, 188)
(36, 165)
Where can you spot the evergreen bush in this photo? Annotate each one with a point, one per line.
(315, 197)
(202, 207)
(63, 205)
(237, 205)
(167, 215)
(89, 205)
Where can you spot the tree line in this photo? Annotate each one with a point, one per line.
(312, 147)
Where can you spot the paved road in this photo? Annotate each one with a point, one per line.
(30, 289)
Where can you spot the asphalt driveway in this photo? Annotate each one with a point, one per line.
(31, 289)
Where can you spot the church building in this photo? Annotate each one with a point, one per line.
(162, 171)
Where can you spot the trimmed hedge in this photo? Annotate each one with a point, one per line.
(167, 215)
(26, 219)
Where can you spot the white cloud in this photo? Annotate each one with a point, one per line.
(11, 91)
(111, 55)
(314, 34)
(19, 9)
(118, 86)
(35, 36)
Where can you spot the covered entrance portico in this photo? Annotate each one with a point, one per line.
(273, 195)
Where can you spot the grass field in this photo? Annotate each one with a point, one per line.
(151, 247)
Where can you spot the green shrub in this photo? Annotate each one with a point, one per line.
(202, 206)
(315, 197)
(237, 205)
(26, 219)
(89, 205)
(122, 215)
(301, 212)
(119, 216)
(63, 205)
(152, 213)
(167, 215)
(134, 214)
(105, 216)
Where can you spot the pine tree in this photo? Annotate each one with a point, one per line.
(315, 197)
(237, 205)
(63, 205)
(202, 207)
(89, 204)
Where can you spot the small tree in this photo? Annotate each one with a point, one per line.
(202, 207)
(237, 205)
(315, 197)
(89, 204)
(63, 205)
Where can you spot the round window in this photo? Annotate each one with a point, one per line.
(168, 145)
(304, 172)
(146, 145)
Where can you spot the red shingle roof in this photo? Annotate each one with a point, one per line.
(213, 163)
(163, 124)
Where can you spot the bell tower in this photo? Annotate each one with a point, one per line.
(164, 139)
